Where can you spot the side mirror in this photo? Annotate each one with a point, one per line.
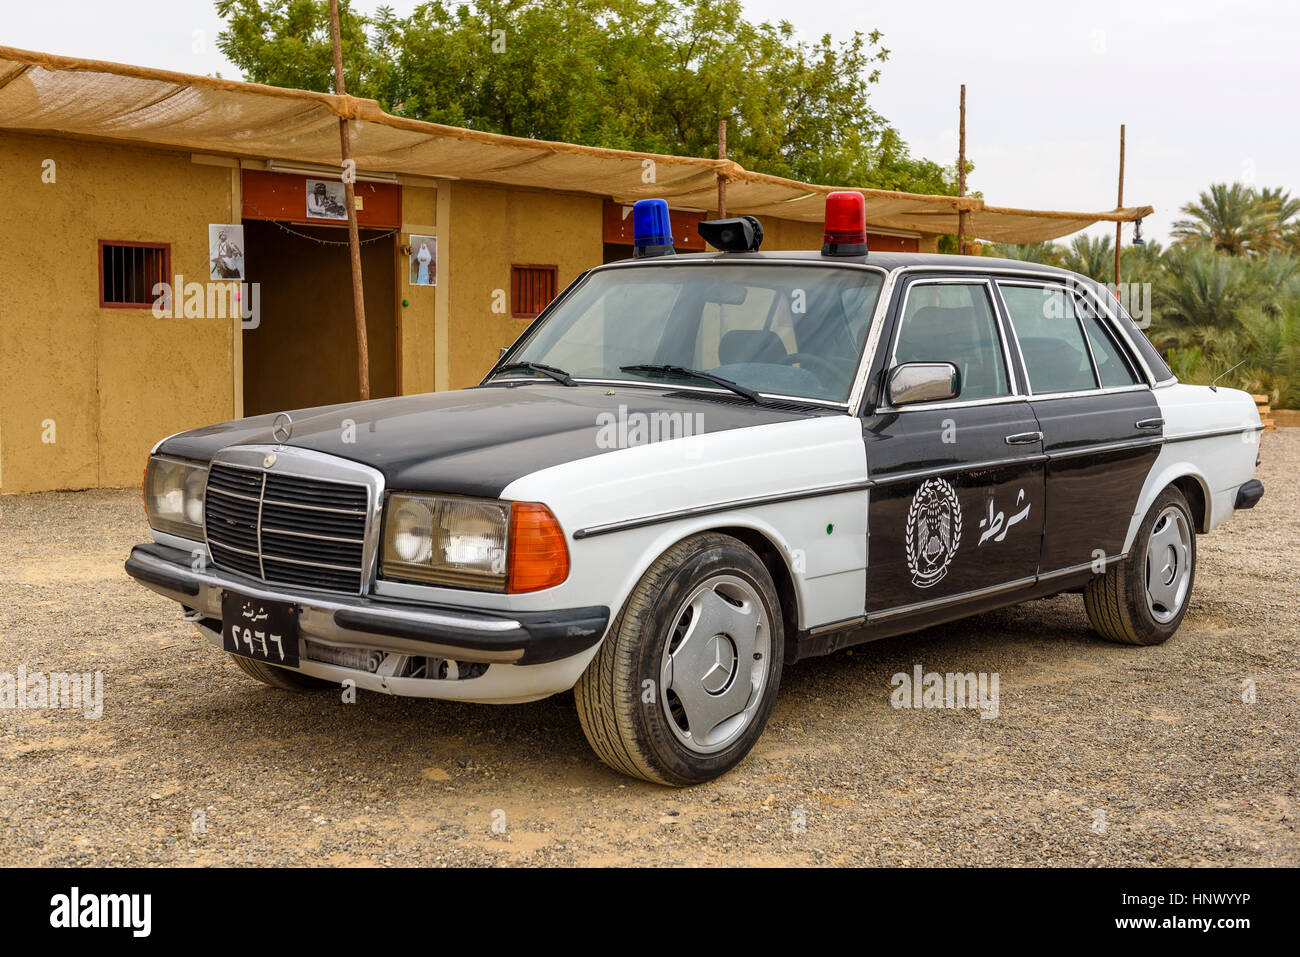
(923, 382)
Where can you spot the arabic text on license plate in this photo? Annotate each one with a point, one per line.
(263, 630)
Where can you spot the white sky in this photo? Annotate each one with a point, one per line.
(1207, 88)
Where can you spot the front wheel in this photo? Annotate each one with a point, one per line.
(1142, 599)
(684, 682)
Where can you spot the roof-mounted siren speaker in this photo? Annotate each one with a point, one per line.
(652, 232)
(846, 224)
(743, 234)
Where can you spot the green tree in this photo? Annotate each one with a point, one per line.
(1231, 218)
(1284, 215)
(647, 75)
(1048, 253)
(1093, 256)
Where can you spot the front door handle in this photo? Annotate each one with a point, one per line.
(1155, 423)
(1024, 438)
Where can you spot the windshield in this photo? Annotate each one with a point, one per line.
(781, 329)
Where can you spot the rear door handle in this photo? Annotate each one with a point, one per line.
(1150, 423)
(1024, 438)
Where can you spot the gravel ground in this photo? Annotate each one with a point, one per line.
(1100, 755)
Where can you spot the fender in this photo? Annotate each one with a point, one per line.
(1213, 437)
(801, 485)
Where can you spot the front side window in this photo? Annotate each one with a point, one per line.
(780, 329)
(1051, 339)
(954, 322)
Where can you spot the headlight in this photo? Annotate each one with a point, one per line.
(173, 496)
(446, 541)
(472, 543)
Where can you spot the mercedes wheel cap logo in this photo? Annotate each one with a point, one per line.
(717, 675)
(282, 429)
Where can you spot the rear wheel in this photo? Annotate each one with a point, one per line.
(281, 678)
(684, 682)
(1142, 599)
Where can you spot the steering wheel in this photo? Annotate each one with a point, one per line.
(820, 367)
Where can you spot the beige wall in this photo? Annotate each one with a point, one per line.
(791, 234)
(112, 380)
(492, 228)
(417, 305)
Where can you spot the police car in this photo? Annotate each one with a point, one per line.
(692, 471)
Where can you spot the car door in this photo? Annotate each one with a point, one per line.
(1101, 424)
(956, 486)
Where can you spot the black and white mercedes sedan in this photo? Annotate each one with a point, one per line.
(692, 471)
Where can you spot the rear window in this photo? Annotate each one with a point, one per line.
(1112, 366)
(1050, 337)
(1150, 354)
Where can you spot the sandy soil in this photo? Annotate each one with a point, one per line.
(1100, 755)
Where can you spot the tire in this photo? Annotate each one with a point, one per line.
(663, 699)
(281, 678)
(1142, 599)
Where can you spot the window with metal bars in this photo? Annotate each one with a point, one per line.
(531, 290)
(129, 271)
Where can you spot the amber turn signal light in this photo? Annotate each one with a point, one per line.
(539, 557)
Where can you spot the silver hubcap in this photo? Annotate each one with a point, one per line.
(1169, 564)
(715, 663)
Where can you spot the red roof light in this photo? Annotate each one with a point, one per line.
(846, 224)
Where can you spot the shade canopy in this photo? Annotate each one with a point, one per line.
(44, 93)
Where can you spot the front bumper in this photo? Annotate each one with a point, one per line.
(397, 627)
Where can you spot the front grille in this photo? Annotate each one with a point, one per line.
(283, 528)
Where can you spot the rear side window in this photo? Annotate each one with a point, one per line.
(954, 322)
(1051, 339)
(1112, 367)
(1150, 355)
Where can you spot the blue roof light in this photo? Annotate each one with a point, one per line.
(652, 232)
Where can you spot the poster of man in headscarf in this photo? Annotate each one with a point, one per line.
(326, 200)
(225, 251)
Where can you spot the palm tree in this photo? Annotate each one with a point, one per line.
(1142, 263)
(1285, 215)
(1201, 295)
(1092, 256)
(1271, 347)
(1230, 218)
(1048, 253)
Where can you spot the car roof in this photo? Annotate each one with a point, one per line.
(888, 261)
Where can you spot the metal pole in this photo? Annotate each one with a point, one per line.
(722, 182)
(1119, 204)
(961, 174)
(350, 193)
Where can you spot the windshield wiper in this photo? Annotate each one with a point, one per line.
(559, 375)
(735, 387)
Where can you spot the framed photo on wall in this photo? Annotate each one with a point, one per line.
(424, 260)
(225, 251)
(326, 199)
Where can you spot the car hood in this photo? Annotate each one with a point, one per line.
(477, 441)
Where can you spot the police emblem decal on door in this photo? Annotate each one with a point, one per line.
(933, 531)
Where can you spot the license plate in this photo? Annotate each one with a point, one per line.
(263, 630)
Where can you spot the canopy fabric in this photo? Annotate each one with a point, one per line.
(45, 93)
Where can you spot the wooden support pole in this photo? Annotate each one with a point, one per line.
(1119, 204)
(722, 182)
(961, 174)
(350, 194)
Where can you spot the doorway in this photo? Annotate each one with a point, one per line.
(304, 351)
